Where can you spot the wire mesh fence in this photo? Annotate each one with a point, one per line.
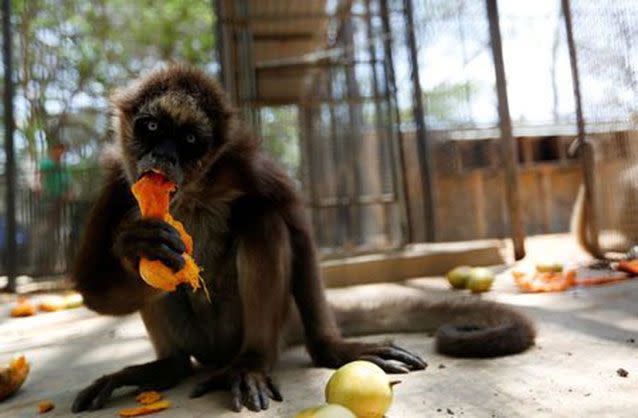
(606, 39)
(385, 111)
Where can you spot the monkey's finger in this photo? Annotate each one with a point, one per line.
(276, 395)
(154, 230)
(393, 352)
(235, 391)
(264, 394)
(85, 397)
(163, 253)
(252, 393)
(104, 395)
(387, 365)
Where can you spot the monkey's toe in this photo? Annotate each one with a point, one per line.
(253, 389)
(94, 396)
(392, 358)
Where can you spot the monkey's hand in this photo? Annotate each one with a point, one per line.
(250, 388)
(157, 375)
(391, 358)
(153, 239)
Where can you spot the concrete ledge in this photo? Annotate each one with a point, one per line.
(417, 260)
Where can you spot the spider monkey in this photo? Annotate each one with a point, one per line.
(257, 254)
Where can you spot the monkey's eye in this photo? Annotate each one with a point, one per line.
(190, 138)
(152, 125)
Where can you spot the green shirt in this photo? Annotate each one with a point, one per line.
(56, 180)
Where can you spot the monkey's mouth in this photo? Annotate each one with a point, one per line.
(161, 176)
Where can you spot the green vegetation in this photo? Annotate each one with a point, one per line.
(71, 53)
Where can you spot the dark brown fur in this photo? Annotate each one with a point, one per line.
(256, 250)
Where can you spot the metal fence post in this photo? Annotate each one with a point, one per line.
(508, 145)
(585, 148)
(10, 168)
(423, 142)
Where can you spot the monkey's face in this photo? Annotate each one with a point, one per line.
(172, 121)
(171, 135)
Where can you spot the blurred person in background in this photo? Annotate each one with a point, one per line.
(53, 192)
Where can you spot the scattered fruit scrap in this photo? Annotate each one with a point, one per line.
(146, 398)
(152, 193)
(45, 406)
(52, 303)
(13, 377)
(629, 266)
(552, 278)
(544, 281)
(23, 308)
(145, 409)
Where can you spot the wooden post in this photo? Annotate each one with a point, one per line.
(585, 148)
(508, 145)
(10, 167)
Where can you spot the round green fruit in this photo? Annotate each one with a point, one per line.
(481, 280)
(459, 276)
(362, 387)
(326, 411)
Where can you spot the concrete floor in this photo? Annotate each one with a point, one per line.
(584, 337)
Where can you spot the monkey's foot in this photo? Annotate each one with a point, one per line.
(391, 358)
(157, 375)
(250, 388)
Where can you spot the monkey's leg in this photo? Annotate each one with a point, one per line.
(169, 324)
(263, 266)
(157, 375)
(323, 338)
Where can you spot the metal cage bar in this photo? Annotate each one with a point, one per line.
(508, 145)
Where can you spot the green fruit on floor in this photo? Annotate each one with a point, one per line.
(549, 267)
(481, 280)
(459, 276)
(326, 411)
(362, 387)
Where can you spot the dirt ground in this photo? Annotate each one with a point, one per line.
(585, 336)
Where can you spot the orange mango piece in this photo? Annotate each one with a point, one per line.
(45, 406)
(545, 282)
(146, 398)
(23, 308)
(153, 192)
(145, 409)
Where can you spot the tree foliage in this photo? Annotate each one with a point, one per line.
(71, 53)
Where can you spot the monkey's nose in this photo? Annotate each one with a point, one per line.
(165, 157)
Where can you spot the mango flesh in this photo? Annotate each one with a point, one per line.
(152, 193)
(326, 411)
(459, 276)
(481, 280)
(362, 387)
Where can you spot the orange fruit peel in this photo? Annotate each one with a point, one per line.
(13, 377)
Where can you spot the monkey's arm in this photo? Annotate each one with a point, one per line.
(263, 267)
(323, 338)
(105, 269)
